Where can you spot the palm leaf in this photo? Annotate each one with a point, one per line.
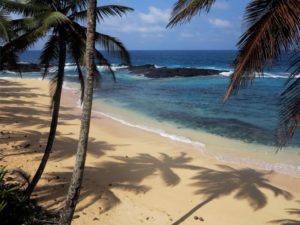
(49, 53)
(81, 80)
(273, 28)
(110, 44)
(113, 46)
(31, 36)
(289, 113)
(290, 105)
(53, 19)
(4, 27)
(25, 9)
(104, 62)
(104, 11)
(184, 10)
(77, 50)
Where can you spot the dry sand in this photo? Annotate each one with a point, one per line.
(134, 177)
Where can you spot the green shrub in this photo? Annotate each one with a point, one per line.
(16, 209)
(6, 191)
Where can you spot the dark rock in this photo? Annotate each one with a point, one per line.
(151, 71)
(24, 67)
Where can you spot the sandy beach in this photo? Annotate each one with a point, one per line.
(132, 176)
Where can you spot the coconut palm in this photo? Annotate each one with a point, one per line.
(76, 181)
(272, 29)
(9, 28)
(59, 22)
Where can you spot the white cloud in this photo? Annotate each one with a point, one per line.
(150, 23)
(155, 15)
(220, 23)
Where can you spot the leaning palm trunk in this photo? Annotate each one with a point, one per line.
(74, 189)
(55, 114)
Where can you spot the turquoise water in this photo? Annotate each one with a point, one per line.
(195, 103)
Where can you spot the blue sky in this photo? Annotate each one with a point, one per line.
(144, 29)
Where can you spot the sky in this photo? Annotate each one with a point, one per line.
(145, 28)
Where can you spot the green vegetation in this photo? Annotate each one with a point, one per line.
(15, 209)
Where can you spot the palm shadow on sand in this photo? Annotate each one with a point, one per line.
(246, 184)
(291, 211)
(126, 173)
(27, 113)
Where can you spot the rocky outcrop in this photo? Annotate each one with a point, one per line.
(24, 67)
(151, 71)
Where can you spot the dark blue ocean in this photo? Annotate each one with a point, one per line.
(196, 103)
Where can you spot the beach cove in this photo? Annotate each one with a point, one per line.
(137, 177)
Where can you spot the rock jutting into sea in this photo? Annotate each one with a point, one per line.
(24, 67)
(151, 71)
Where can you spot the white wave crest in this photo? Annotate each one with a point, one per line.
(226, 74)
(160, 132)
(281, 168)
(266, 75)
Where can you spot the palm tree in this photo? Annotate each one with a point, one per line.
(272, 29)
(59, 21)
(9, 28)
(74, 189)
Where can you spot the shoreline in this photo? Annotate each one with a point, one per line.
(219, 148)
(133, 176)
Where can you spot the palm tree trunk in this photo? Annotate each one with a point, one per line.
(55, 114)
(74, 189)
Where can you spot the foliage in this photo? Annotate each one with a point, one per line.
(13, 207)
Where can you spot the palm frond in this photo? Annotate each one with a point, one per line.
(4, 27)
(185, 10)
(53, 19)
(49, 53)
(290, 104)
(104, 62)
(25, 9)
(23, 25)
(57, 80)
(110, 44)
(8, 59)
(273, 28)
(77, 50)
(104, 11)
(113, 46)
(53, 89)
(289, 113)
(81, 80)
